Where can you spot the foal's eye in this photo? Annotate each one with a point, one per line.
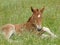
(39, 16)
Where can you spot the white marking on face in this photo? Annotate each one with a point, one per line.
(38, 15)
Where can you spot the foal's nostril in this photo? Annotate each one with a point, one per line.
(39, 29)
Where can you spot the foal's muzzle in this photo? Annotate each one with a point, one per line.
(39, 28)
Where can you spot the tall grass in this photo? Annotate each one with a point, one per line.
(18, 11)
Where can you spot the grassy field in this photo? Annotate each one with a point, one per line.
(18, 11)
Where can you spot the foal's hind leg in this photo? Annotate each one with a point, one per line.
(48, 31)
(8, 30)
(8, 34)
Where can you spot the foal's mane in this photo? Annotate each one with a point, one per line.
(29, 19)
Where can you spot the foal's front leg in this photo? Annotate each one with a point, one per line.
(48, 31)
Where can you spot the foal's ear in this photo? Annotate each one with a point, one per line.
(32, 9)
(41, 10)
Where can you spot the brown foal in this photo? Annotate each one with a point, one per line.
(33, 24)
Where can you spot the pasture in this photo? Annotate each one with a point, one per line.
(18, 12)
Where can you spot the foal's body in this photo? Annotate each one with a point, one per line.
(33, 24)
(9, 29)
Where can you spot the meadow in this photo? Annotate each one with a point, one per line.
(18, 12)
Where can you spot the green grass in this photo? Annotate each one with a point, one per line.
(18, 11)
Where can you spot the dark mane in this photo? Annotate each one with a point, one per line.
(29, 19)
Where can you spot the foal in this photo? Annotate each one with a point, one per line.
(33, 24)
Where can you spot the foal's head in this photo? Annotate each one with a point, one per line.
(36, 18)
